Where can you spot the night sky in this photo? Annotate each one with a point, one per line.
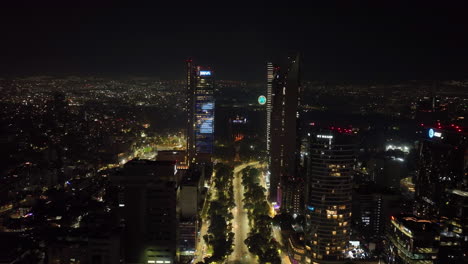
(340, 42)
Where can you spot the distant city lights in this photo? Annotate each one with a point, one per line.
(403, 148)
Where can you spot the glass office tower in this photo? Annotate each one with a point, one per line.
(200, 112)
(284, 144)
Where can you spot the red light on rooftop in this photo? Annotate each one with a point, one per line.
(422, 124)
(312, 124)
(459, 130)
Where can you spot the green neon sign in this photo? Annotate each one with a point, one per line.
(261, 99)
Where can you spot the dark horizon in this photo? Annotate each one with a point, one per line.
(341, 43)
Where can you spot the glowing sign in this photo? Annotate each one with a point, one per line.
(325, 136)
(310, 208)
(205, 73)
(262, 99)
(207, 127)
(240, 121)
(433, 133)
(207, 106)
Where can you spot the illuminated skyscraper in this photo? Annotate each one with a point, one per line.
(200, 112)
(412, 240)
(284, 126)
(332, 157)
(443, 160)
(190, 108)
(441, 188)
(269, 98)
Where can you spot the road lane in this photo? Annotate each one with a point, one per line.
(241, 226)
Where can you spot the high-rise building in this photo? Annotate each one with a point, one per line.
(332, 158)
(148, 210)
(190, 109)
(200, 113)
(441, 188)
(269, 97)
(190, 201)
(85, 246)
(292, 195)
(412, 240)
(454, 228)
(284, 126)
(372, 209)
(443, 160)
(187, 240)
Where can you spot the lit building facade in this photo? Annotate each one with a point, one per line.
(454, 228)
(372, 210)
(331, 161)
(269, 106)
(443, 163)
(200, 113)
(187, 240)
(292, 195)
(297, 248)
(412, 240)
(190, 201)
(441, 188)
(284, 126)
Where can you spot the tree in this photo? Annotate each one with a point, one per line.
(219, 236)
(216, 208)
(261, 208)
(271, 255)
(285, 221)
(218, 225)
(255, 242)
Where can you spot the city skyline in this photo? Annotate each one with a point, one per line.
(175, 133)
